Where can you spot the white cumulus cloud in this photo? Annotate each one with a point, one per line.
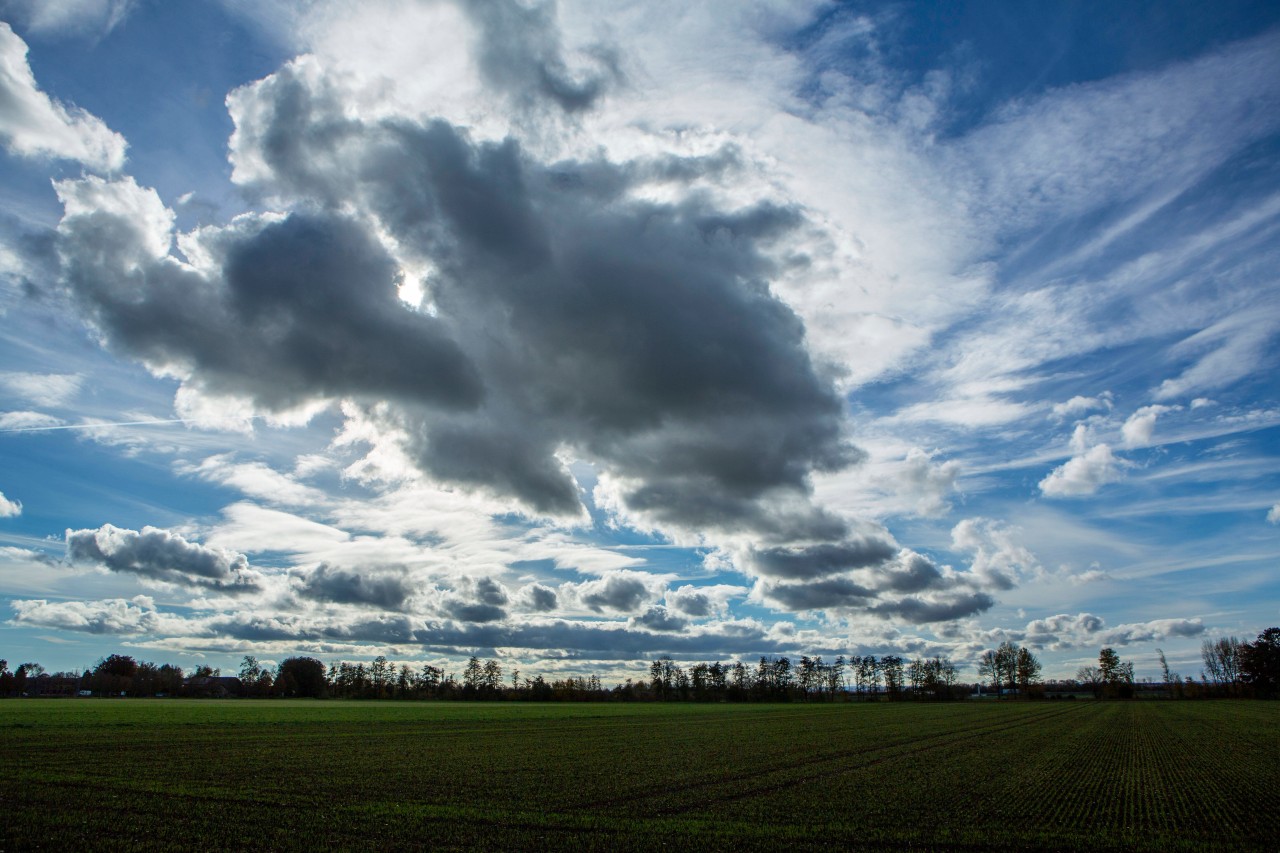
(1141, 425)
(1087, 471)
(1080, 405)
(9, 508)
(34, 125)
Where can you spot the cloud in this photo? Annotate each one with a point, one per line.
(825, 594)
(356, 631)
(34, 125)
(160, 555)
(537, 598)
(924, 610)
(1080, 405)
(1156, 629)
(258, 529)
(9, 508)
(912, 572)
(1059, 153)
(998, 559)
(895, 480)
(929, 483)
(519, 53)
(28, 421)
(69, 17)
(1140, 426)
(568, 312)
(578, 640)
(255, 480)
(1236, 348)
(113, 616)
(43, 389)
(910, 586)
(385, 587)
(843, 595)
(815, 561)
(1066, 631)
(1273, 515)
(517, 271)
(620, 592)
(659, 618)
(701, 602)
(310, 300)
(1090, 575)
(1091, 468)
(477, 600)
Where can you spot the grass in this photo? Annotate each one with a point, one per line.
(160, 774)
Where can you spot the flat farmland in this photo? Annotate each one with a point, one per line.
(165, 774)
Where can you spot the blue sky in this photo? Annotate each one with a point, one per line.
(577, 338)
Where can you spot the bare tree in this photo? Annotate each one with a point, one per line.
(1222, 660)
(1092, 676)
(1007, 662)
(989, 669)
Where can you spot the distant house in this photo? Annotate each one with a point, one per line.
(52, 685)
(213, 686)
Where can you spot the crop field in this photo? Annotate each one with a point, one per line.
(163, 774)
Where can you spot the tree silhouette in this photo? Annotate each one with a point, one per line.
(1222, 661)
(301, 676)
(1260, 664)
(1116, 675)
(1028, 670)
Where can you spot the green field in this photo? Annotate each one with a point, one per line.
(298, 774)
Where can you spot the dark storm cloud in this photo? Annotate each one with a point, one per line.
(831, 593)
(642, 334)
(474, 611)
(387, 588)
(879, 586)
(919, 610)
(520, 54)
(566, 313)
(303, 308)
(599, 641)
(816, 561)
(276, 628)
(163, 556)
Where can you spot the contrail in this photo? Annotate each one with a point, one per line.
(94, 426)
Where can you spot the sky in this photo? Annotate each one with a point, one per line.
(577, 334)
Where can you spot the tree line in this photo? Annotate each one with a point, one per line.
(1231, 668)
(770, 679)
